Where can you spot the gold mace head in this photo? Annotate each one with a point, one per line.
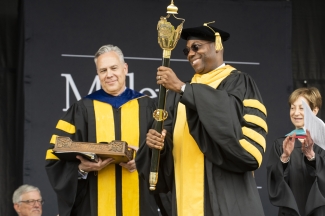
(168, 36)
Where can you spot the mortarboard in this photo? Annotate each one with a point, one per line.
(206, 32)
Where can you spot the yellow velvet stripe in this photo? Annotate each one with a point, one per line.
(214, 77)
(106, 177)
(50, 156)
(255, 104)
(252, 150)
(256, 120)
(105, 132)
(189, 169)
(53, 139)
(253, 135)
(66, 127)
(130, 181)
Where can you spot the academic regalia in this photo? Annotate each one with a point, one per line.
(297, 187)
(210, 170)
(100, 117)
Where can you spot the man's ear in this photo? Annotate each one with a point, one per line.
(126, 68)
(16, 207)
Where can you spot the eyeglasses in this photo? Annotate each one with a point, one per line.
(32, 202)
(194, 47)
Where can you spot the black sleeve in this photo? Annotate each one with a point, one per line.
(316, 197)
(228, 123)
(63, 175)
(280, 193)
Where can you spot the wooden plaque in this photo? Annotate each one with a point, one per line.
(66, 149)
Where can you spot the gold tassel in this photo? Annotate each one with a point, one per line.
(218, 42)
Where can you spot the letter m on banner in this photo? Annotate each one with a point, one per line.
(69, 83)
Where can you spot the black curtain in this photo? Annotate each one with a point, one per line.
(11, 102)
(308, 46)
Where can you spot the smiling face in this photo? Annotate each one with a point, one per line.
(297, 112)
(111, 72)
(29, 209)
(206, 58)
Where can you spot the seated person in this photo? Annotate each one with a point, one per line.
(27, 201)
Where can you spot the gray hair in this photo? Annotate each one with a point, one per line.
(109, 48)
(16, 198)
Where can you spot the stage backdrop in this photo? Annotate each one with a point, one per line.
(61, 38)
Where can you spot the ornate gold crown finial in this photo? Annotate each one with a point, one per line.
(172, 9)
(168, 36)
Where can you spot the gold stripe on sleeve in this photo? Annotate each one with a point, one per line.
(253, 135)
(255, 104)
(53, 139)
(66, 127)
(252, 150)
(256, 120)
(50, 156)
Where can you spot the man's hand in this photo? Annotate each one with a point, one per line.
(168, 78)
(129, 165)
(155, 139)
(88, 166)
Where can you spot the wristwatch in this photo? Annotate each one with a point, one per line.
(182, 89)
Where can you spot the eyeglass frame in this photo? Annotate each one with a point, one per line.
(194, 47)
(32, 202)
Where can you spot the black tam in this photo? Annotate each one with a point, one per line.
(204, 33)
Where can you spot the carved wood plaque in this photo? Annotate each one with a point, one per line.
(118, 150)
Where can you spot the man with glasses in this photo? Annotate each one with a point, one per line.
(27, 201)
(214, 136)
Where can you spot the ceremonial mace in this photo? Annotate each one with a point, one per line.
(168, 37)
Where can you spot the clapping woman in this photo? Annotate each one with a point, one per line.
(296, 165)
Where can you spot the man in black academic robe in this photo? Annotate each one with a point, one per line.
(114, 112)
(214, 135)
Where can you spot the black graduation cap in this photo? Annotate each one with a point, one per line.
(206, 32)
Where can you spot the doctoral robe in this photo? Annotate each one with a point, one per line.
(226, 121)
(114, 190)
(298, 187)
